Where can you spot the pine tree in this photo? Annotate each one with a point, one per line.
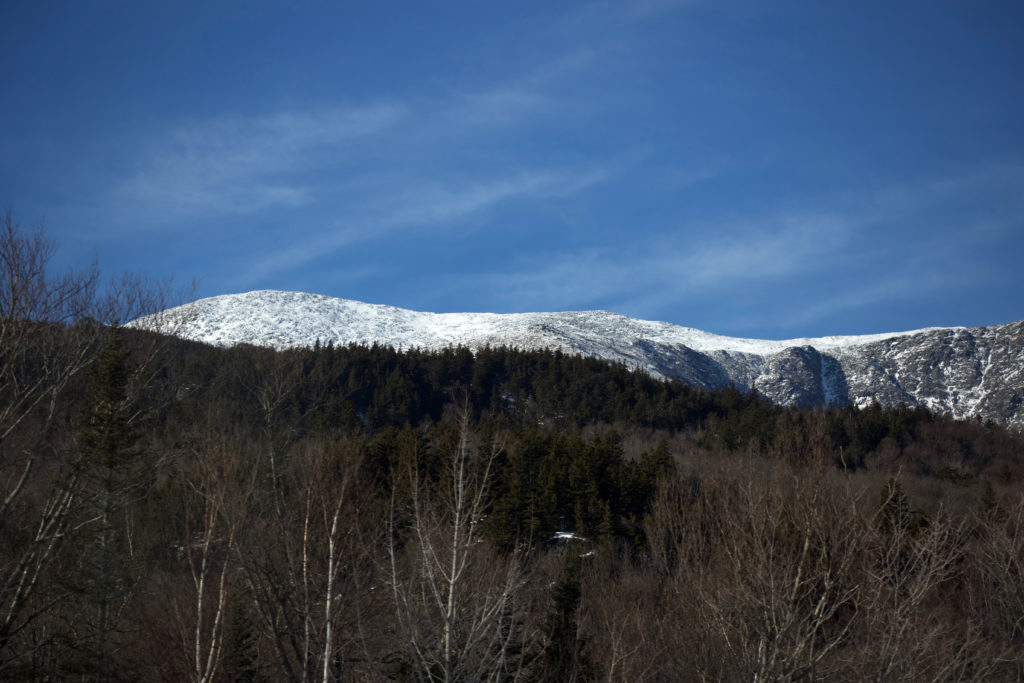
(563, 658)
(894, 512)
(241, 654)
(990, 509)
(106, 461)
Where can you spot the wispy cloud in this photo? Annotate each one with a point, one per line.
(501, 105)
(247, 164)
(981, 191)
(832, 260)
(905, 286)
(320, 179)
(430, 207)
(244, 164)
(667, 270)
(516, 101)
(434, 203)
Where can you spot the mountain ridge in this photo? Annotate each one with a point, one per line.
(961, 371)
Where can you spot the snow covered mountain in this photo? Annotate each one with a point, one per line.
(965, 372)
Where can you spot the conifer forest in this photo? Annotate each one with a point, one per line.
(171, 511)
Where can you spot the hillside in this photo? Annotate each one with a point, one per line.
(962, 372)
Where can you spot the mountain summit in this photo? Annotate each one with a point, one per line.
(964, 372)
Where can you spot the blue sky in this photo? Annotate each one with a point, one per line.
(759, 169)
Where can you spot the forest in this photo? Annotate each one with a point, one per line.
(177, 512)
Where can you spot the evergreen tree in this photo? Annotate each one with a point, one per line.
(989, 508)
(894, 512)
(107, 462)
(563, 659)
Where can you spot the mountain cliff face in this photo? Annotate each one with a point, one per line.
(965, 372)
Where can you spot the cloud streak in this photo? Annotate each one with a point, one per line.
(240, 165)
(331, 159)
(671, 269)
(830, 261)
(428, 208)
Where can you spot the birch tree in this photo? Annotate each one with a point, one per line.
(217, 501)
(52, 329)
(454, 597)
(310, 554)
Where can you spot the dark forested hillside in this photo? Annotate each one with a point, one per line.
(177, 511)
(362, 390)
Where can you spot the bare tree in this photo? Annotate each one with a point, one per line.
(51, 330)
(217, 499)
(786, 595)
(791, 574)
(301, 567)
(997, 593)
(331, 554)
(41, 352)
(454, 597)
(910, 630)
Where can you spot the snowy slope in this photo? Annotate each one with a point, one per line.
(966, 372)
